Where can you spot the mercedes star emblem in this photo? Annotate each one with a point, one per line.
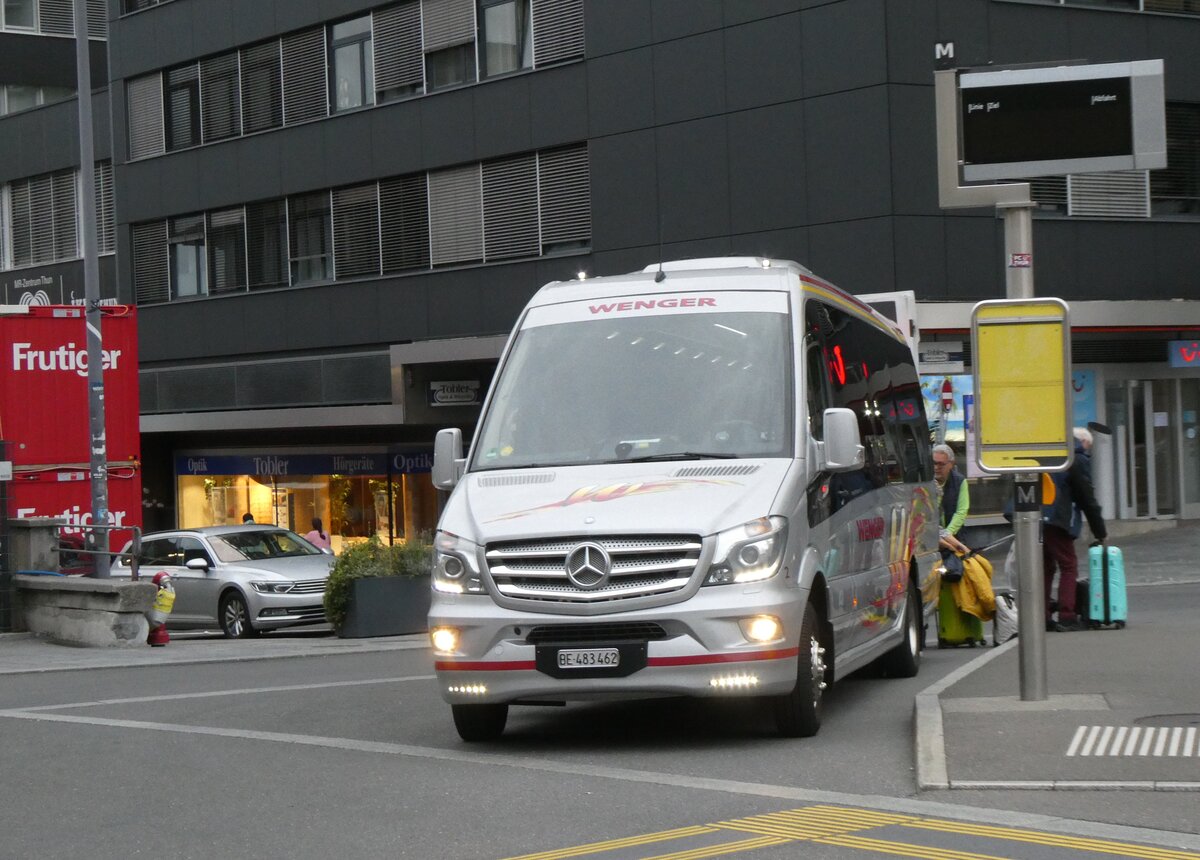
(588, 566)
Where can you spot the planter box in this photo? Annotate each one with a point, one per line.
(387, 606)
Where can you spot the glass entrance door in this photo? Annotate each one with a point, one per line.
(1151, 441)
(1189, 461)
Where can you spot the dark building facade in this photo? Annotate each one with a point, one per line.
(329, 213)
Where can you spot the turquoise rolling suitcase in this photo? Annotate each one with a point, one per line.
(1108, 604)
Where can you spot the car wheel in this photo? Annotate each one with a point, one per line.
(798, 713)
(235, 617)
(904, 660)
(479, 722)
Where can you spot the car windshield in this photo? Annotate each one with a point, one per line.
(654, 386)
(233, 547)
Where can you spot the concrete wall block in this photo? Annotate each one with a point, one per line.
(88, 628)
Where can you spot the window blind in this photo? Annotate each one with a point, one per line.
(266, 244)
(510, 208)
(220, 108)
(456, 215)
(150, 282)
(446, 23)
(305, 94)
(56, 17)
(564, 190)
(356, 231)
(183, 113)
(557, 31)
(144, 101)
(1118, 194)
(262, 87)
(399, 67)
(97, 19)
(105, 212)
(65, 218)
(404, 222)
(227, 250)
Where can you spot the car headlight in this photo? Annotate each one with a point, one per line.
(749, 552)
(455, 565)
(272, 587)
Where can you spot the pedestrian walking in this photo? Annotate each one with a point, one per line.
(1061, 525)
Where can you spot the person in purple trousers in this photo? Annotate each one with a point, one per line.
(1061, 525)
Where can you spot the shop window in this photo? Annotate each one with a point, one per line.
(266, 244)
(399, 68)
(20, 14)
(504, 36)
(182, 107)
(227, 251)
(262, 88)
(310, 234)
(352, 75)
(185, 241)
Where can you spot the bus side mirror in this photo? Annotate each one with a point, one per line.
(842, 450)
(447, 458)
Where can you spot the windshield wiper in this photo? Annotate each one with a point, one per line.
(679, 455)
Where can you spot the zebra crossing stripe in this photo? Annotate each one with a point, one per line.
(1152, 741)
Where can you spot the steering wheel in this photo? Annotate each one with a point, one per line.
(735, 430)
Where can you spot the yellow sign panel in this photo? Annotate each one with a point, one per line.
(1022, 368)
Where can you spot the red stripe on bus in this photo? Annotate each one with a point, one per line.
(703, 659)
(463, 666)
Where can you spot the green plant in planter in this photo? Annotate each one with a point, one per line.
(373, 558)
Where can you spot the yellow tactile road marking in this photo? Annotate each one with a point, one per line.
(1078, 843)
(836, 825)
(614, 844)
(723, 848)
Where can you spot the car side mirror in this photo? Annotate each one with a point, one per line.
(842, 450)
(196, 564)
(448, 459)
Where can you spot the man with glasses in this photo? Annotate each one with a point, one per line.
(952, 487)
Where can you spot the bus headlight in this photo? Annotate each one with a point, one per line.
(749, 552)
(455, 565)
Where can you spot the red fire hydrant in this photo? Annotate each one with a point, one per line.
(157, 615)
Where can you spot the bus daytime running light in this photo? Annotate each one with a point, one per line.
(734, 682)
(468, 689)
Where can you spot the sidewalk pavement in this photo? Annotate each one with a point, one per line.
(1123, 710)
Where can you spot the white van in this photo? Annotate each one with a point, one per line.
(709, 478)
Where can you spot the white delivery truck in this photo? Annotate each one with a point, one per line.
(709, 478)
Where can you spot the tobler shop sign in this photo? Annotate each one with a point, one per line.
(44, 412)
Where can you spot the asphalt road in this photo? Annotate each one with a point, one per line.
(356, 756)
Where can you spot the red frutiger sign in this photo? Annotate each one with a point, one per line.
(44, 412)
(43, 385)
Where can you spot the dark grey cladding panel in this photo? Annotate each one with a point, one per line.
(974, 251)
(257, 161)
(848, 156)
(788, 244)
(1173, 258)
(624, 198)
(693, 169)
(478, 300)
(621, 92)
(45, 139)
(1175, 40)
(844, 46)
(763, 63)
(396, 139)
(689, 78)
(672, 19)
(220, 183)
(767, 175)
(741, 11)
(303, 161)
(913, 150)
(858, 256)
(402, 306)
(559, 105)
(612, 27)
(46, 61)
(921, 257)
(447, 128)
(503, 122)
(348, 149)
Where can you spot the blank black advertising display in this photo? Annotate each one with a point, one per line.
(1046, 121)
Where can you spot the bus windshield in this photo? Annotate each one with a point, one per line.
(673, 386)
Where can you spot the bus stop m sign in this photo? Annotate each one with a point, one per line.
(1022, 370)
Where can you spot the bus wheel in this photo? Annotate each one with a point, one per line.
(904, 660)
(479, 722)
(798, 713)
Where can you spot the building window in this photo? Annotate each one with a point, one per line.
(399, 65)
(151, 283)
(144, 104)
(220, 86)
(43, 218)
(404, 222)
(226, 251)
(183, 107)
(1175, 189)
(188, 266)
(305, 91)
(448, 30)
(266, 244)
(456, 215)
(106, 237)
(20, 14)
(310, 234)
(505, 36)
(262, 88)
(565, 198)
(19, 97)
(356, 230)
(557, 31)
(352, 75)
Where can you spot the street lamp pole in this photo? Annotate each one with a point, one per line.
(97, 540)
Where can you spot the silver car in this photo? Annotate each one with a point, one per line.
(244, 579)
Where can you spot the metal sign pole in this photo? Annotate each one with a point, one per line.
(97, 539)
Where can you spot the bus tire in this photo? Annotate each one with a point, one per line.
(798, 713)
(904, 660)
(479, 722)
